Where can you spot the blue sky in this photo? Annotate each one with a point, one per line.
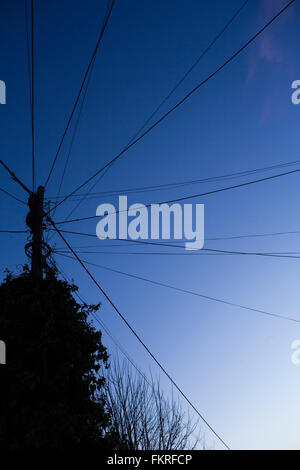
(235, 365)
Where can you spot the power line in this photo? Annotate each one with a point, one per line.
(136, 334)
(185, 291)
(13, 231)
(233, 237)
(12, 196)
(77, 205)
(79, 114)
(28, 52)
(142, 253)
(32, 95)
(180, 185)
(185, 198)
(169, 245)
(121, 348)
(107, 331)
(168, 186)
(203, 54)
(78, 118)
(154, 253)
(75, 131)
(80, 91)
(228, 61)
(274, 234)
(15, 178)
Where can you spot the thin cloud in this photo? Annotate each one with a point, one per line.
(269, 55)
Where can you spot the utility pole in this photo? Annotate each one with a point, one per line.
(34, 220)
(36, 249)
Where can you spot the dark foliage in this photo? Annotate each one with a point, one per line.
(51, 387)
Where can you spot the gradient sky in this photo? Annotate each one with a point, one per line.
(235, 365)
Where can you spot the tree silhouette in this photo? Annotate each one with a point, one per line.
(51, 386)
(142, 417)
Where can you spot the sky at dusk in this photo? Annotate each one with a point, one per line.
(234, 364)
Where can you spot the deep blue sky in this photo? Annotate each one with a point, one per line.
(234, 364)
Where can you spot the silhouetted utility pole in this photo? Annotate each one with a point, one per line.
(36, 249)
(34, 220)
